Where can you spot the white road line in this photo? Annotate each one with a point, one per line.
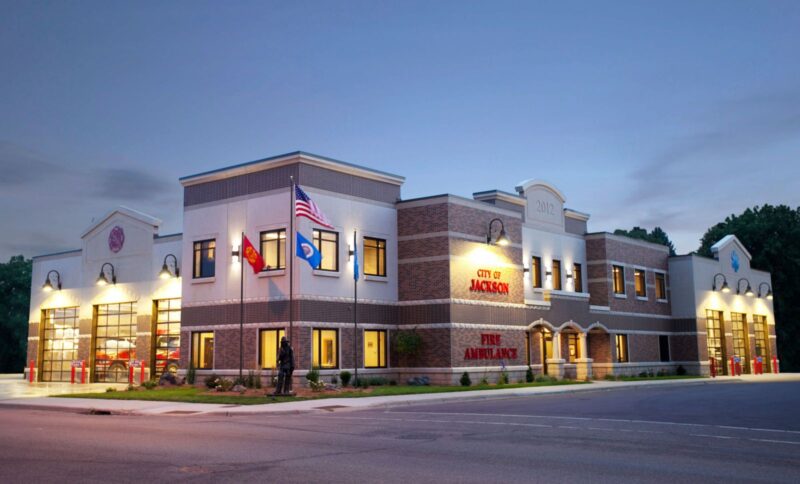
(712, 436)
(775, 441)
(469, 422)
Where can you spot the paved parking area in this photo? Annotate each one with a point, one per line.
(14, 387)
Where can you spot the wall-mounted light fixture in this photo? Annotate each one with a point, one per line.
(526, 269)
(569, 275)
(501, 237)
(548, 273)
(102, 280)
(235, 253)
(724, 287)
(48, 285)
(748, 292)
(165, 272)
(768, 293)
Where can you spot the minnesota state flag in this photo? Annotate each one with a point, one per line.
(307, 251)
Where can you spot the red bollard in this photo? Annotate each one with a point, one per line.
(83, 371)
(72, 373)
(733, 366)
(130, 375)
(713, 368)
(30, 373)
(141, 373)
(775, 368)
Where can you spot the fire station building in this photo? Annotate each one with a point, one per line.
(498, 282)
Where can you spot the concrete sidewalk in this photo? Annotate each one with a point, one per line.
(138, 407)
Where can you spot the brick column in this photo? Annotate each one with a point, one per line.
(555, 366)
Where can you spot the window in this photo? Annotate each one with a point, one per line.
(536, 271)
(324, 348)
(203, 350)
(273, 249)
(167, 336)
(204, 255)
(557, 275)
(327, 243)
(60, 332)
(715, 337)
(639, 281)
(663, 347)
(577, 278)
(270, 344)
(762, 340)
(572, 347)
(115, 341)
(661, 286)
(622, 347)
(740, 345)
(374, 257)
(375, 349)
(619, 279)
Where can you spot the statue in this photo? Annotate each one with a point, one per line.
(285, 368)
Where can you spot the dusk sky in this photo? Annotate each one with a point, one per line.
(674, 114)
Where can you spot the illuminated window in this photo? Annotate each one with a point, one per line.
(167, 336)
(273, 249)
(270, 345)
(622, 347)
(762, 340)
(536, 271)
(619, 279)
(204, 255)
(572, 347)
(715, 338)
(663, 347)
(60, 331)
(577, 278)
(203, 350)
(740, 344)
(115, 341)
(374, 257)
(639, 282)
(557, 275)
(324, 348)
(661, 286)
(374, 349)
(327, 243)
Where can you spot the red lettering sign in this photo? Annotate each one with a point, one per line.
(490, 339)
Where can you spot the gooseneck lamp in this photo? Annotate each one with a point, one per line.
(748, 292)
(501, 237)
(165, 272)
(48, 286)
(102, 280)
(724, 287)
(768, 293)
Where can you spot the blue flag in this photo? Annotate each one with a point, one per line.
(307, 251)
(356, 269)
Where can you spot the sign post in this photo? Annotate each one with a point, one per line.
(72, 373)
(83, 371)
(30, 373)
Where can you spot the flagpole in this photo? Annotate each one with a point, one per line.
(355, 304)
(241, 307)
(291, 258)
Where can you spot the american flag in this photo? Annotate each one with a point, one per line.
(305, 207)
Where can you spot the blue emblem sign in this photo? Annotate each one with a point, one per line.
(735, 261)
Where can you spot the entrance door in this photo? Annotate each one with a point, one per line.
(547, 348)
(59, 343)
(115, 341)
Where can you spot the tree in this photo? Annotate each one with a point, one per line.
(15, 299)
(772, 236)
(656, 236)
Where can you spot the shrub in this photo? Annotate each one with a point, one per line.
(484, 381)
(392, 383)
(239, 381)
(345, 377)
(544, 378)
(313, 375)
(131, 388)
(503, 378)
(212, 381)
(334, 380)
(150, 384)
(680, 371)
(377, 381)
(191, 374)
(643, 374)
(110, 389)
(529, 375)
(225, 384)
(316, 385)
(465, 380)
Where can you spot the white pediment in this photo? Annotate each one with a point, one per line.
(545, 204)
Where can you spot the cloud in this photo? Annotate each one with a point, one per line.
(21, 166)
(130, 184)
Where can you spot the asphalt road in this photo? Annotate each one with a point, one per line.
(694, 433)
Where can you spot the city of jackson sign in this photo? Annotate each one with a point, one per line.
(487, 281)
(490, 349)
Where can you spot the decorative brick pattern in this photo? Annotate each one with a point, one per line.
(424, 280)
(435, 352)
(599, 345)
(421, 220)
(643, 347)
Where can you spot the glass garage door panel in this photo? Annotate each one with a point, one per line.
(168, 336)
(115, 342)
(59, 343)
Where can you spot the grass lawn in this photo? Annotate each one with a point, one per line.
(189, 394)
(646, 378)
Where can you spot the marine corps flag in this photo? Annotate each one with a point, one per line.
(251, 255)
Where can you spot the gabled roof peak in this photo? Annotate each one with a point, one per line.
(134, 214)
(728, 239)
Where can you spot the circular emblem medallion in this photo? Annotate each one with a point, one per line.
(116, 239)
